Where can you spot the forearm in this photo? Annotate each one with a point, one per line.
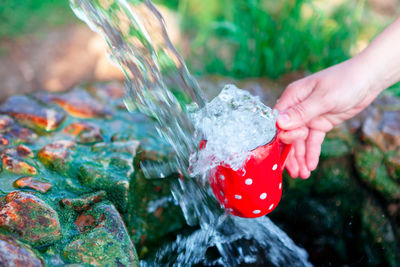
(381, 59)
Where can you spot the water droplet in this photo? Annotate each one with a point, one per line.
(263, 196)
(238, 196)
(256, 211)
(274, 167)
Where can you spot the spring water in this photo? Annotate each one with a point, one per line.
(139, 45)
(233, 123)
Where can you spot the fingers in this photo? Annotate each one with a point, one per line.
(289, 137)
(300, 152)
(292, 166)
(305, 156)
(313, 144)
(295, 93)
(298, 115)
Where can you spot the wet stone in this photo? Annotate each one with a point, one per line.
(85, 222)
(381, 125)
(104, 241)
(21, 135)
(370, 128)
(84, 202)
(30, 113)
(372, 170)
(84, 132)
(32, 183)
(390, 126)
(112, 179)
(25, 151)
(12, 131)
(155, 214)
(57, 154)
(15, 253)
(77, 103)
(30, 218)
(393, 164)
(5, 123)
(17, 166)
(21, 151)
(4, 140)
(108, 91)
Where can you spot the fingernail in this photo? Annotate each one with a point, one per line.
(283, 119)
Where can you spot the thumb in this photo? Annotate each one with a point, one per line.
(300, 114)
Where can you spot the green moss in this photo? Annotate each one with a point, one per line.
(376, 226)
(334, 148)
(97, 248)
(371, 167)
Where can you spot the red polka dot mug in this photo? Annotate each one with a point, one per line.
(257, 190)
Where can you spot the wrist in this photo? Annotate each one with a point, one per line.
(370, 74)
(381, 59)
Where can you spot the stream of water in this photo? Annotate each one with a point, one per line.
(140, 46)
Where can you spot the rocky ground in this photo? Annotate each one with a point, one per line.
(72, 191)
(69, 177)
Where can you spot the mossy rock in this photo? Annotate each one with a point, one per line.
(379, 236)
(372, 170)
(76, 169)
(393, 164)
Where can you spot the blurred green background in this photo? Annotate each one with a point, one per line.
(242, 38)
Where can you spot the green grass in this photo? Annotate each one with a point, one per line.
(30, 16)
(247, 38)
(237, 38)
(256, 38)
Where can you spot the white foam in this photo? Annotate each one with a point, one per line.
(233, 123)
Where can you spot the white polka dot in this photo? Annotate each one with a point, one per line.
(270, 207)
(274, 167)
(222, 177)
(280, 186)
(263, 196)
(248, 181)
(256, 211)
(222, 193)
(226, 200)
(238, 196)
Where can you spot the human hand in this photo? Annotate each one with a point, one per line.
(312, 106)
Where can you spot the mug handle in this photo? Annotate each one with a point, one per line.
(285, 150)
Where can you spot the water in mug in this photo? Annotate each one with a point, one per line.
(140, 46)
(233, 123)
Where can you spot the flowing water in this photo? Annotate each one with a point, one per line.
(139, 45)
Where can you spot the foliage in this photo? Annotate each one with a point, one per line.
(244, 38)
(27, 16)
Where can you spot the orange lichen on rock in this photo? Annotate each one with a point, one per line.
(31, 218)
(30, 182)
(77, 103)
(28, 112)
(17, 166)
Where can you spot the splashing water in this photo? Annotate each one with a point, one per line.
(140, 46)
(233, 123)
(145, 59)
